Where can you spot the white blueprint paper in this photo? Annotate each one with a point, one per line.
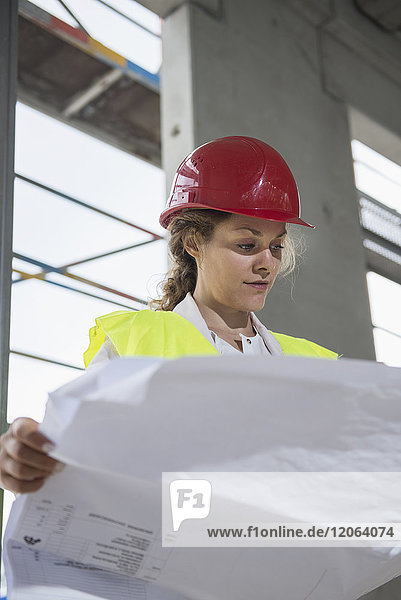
(96, 527)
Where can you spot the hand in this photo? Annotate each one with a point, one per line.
(24, 464)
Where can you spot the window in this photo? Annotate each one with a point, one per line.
(378, 181)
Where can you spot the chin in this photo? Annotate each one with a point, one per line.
(259, 303)
(254, 305)
(258, 306)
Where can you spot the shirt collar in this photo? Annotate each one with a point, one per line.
(188, 309)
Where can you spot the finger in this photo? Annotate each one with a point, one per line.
(26, 431)
(20, 471)
(20, 487)
(29, 457)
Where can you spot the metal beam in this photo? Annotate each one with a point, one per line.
(46, 269)
(8, 80)
(24, 276)
(136, 145)
(46, 188)
(98, 87)
(128, 18)
(73, 15)
(46, 360)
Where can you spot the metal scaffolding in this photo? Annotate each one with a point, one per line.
(8, 79)
(108, 96)
(105, 76)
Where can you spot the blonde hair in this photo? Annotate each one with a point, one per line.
(182, 275)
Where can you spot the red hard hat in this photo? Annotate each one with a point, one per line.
(236, 174)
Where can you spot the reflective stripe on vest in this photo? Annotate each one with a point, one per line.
(168, 335)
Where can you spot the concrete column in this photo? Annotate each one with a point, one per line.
(257, 68)
(178, 104)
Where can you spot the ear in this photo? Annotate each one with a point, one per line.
(192, 245)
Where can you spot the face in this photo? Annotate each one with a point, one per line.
(238, 266)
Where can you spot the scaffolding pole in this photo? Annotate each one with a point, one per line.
(8, 77)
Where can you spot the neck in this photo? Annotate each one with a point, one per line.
(222, 318)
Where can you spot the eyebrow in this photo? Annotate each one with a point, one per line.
(259, 233)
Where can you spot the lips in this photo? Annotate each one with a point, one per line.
(259, 285)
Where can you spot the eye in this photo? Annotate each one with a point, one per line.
(246, 246)
(277, 247)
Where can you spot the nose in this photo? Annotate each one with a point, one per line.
(265, 262)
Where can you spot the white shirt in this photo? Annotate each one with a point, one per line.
(263, 342)
(250, 344)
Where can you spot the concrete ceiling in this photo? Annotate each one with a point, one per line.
(164, 7)
(386, 13)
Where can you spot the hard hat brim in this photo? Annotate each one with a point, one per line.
(265, 214)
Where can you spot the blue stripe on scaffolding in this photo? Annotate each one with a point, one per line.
(152, 78)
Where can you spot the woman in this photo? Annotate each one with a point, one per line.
(227, 215)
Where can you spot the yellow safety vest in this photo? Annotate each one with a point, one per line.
(168, 335)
